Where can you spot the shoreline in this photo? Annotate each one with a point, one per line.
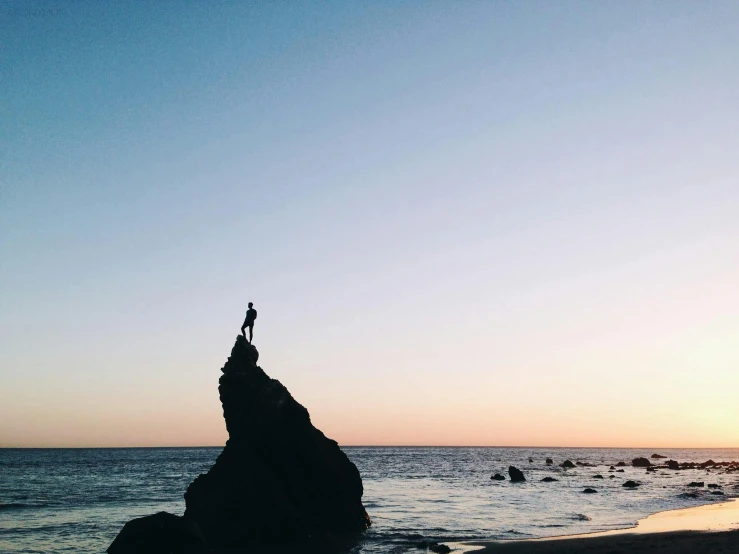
(706, 528)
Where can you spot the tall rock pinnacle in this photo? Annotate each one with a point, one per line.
(278, 478)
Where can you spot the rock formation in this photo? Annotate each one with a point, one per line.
(640, 462)
(279, 479)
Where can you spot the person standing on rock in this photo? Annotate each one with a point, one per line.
(251, 315)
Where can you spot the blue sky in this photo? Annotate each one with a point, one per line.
(449, 215)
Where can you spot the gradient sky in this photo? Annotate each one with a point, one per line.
(462, 223)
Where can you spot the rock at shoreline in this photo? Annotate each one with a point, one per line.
(567, 464)
(158, 533)
(279, 479)
(630, 484)
(498, 477)
(516, 475)
(640, 462)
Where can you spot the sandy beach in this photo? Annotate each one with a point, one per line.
(711, 528)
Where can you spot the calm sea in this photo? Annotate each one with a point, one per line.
(76, 500)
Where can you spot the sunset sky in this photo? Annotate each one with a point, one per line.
(462, 223)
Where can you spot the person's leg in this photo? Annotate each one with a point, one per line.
(251, 333)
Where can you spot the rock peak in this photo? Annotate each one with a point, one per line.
(278, 478)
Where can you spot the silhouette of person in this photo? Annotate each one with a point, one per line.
(251, 315)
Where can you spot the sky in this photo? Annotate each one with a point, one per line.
(461, 223)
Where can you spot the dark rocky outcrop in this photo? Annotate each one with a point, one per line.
(548, 480)
(599, 476)
(713, 486)
(696, 484)
(498, 477)
(516, 475)
(621, 464)
(549, 461)
(279, 479)
(630, 484)
(567, 464)
(640, 462)
(672, 464)
(590, 491)
(159, 533)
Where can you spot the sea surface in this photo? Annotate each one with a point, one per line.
(76, 500)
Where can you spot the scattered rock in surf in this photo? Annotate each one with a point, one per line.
(713, 486)
(620, 471)
(658, 456)
(516, 474)
(548, 480)
(696, 484)
(709, 463)
(160, 532)
(611, 476)
(531, 460)
(439, 548)
(549, 461)
(498, 477)
(621, 464)
(612, 467)
(718, 493)
(567, 464)
(589, 491)
(640, 462)
(630, 484)
(599, 476)
(672, 464)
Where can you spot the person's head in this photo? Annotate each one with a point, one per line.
(250, 304)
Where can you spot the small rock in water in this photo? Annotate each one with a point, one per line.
(567, 464)
(672, 464)
(598, 476)
(531, 460)
(590, 491)
(708, 463)
(549, 461)
(713, 486)
(612, 467)
(621, 464)
(516, 474)
(718, 493)
(498, 477)
(630, 484)
(549, 479)
(611, 476)
(439, 548)
(640, 462)
(696, 484)
(619, 471)
(658, 456)
(161, 532)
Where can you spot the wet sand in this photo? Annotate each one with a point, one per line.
(711, 528)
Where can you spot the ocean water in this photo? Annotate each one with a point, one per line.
(76, 500)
